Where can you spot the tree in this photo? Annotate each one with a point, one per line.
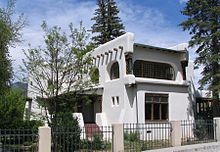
(107, 24)
(114, 26)
(10, 34)
(61, 67)
(203, 24)
(12, 109)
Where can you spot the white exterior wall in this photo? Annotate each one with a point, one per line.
(104, 57)
(179, 106)
(131, 95)
(130, 90)
(179, 101)
(152, 55)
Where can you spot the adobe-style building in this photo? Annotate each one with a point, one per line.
(140, 83)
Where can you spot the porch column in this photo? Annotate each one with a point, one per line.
(217, 128)
(44, 139)
(118, 138)
(176, 133)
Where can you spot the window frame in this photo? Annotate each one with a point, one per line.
(155, 70)
(114, 71)
(152, 104)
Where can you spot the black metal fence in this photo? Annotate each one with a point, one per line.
(90, 138)
(18, 140)
(146, 136)
(197, 131)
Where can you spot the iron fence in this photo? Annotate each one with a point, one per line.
(18, 140)
(90, 138)
(146, 136)
(197, 131)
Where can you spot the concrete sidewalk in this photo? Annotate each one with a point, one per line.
(205, 147)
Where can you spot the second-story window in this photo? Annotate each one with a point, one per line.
(114, 71)
(156, 70)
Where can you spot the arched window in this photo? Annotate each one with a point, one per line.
(114, 71)
(156, 70)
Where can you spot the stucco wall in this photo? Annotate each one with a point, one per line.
(153, 55)
(178, 100)
(130, 90)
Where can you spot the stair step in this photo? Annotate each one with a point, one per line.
(92, 129)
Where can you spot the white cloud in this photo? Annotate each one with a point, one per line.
(59, 13)
(148, 24)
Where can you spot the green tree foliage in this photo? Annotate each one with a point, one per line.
(10, 33)
(62, 66)
(203, 23)
(12, 109)
(107, 24)
(68, 125)
(94, 75)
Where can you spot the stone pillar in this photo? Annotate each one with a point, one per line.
(217, 128)
(118, 138)
(176, 133)
(44, 139)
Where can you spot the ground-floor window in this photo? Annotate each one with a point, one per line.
(156, 106)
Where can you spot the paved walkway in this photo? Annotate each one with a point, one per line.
(206, 147)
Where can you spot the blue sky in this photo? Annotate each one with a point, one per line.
(154, 22)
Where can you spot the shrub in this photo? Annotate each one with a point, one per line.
(65, 133)
(132, 136)
(201, 129)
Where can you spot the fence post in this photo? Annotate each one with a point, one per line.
(176, 133)
(217, 128)
(118, 138)
(44, 139)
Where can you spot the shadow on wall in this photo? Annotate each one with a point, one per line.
(192, 103)
(130, 90)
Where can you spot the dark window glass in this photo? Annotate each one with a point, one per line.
(164, 111)
(114, 72)
(137, 69)
(156, 106)
(148, 111)
(156, 70)
(156, 112)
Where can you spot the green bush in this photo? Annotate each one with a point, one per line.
(132, 136)
(24, 134)
(96, 143)
(200, 129)
(65, 133)
(12, 109)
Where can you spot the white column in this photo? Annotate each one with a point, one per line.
(118, 138)
(176, 133)
(217, 128)
(44, 139)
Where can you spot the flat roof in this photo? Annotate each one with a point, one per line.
(159, 48)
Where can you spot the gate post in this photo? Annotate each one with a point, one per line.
(176, 133)
(44, 139)
(217, 128)
(118, 138)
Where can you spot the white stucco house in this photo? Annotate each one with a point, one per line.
(140, 83)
